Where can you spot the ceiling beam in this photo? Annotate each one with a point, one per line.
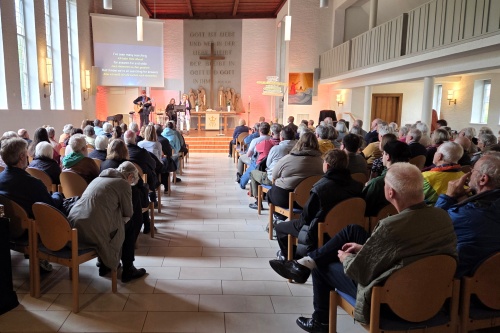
(235, 8)
(276, 12)
(146, 8)
(190, 8)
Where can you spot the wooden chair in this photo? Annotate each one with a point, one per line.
(418, 161)
(416, 294)
(238, 146)
(261, 189)
(98, 163)
(72, 184)
(187, 154)
(59, 244)
(62, 151)
(360, 177)
(44, 177)
(485, 284)
(151, 206)
(349, 211)
(299, 195)
(388, 210)
(466, 168)
(20, 235)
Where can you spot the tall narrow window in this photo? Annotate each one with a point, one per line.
(52, 34)
(73, 51)
(21, 49)
(481, 101)
(438, 95)
(27, 53)
(3, 87)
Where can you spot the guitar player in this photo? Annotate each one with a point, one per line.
(144, 104)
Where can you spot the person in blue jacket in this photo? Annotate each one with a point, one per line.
(476, 219)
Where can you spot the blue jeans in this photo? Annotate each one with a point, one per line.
(246, 176)
(329, 272)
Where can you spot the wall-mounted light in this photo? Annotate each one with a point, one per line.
(288, 28)
(140, 23)
(107, 4)
(50, 76)
(86, 89)
(451, 97)
(323, 3)
(340, 100)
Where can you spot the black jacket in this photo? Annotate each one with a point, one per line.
(47, 165)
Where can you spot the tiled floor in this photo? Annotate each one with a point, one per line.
(207, 270)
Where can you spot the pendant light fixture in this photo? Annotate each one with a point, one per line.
(140, 23)
(107, 4)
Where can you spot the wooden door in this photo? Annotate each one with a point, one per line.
(387, 107)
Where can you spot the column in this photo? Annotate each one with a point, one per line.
(367, 108)
(427, 100)
(372, 23)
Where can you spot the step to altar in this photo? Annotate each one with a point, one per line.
(204, 144)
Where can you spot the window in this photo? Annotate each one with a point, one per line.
(481, 101)
(27, 54)
(3, 87)
(53, 39)
(74, 59)
(438, 95)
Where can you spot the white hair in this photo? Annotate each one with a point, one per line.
(44, 149)
(127, 168)
(78, 143)
(133, 127)
(451, 151)
(406, 179)
(67, 128)
(423, 128)
(101, 142)
(107, 128)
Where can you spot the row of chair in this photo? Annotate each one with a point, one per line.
(417, 293)
(48, 236)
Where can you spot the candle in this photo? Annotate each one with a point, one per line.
(220, 100)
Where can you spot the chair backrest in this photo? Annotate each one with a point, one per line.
(302, 191)
(19, 220)
(360, 177)
(97, 162)
(466, 168)
(418, 291)
(486, 282)
(62, 151)
(42, 175)
(52, 226)
(1, 168)
(388, 210)
(349, 211)
(141, 173)
(72, 184)
(241, 137)
(418, 161)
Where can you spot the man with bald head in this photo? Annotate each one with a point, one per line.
(446, 168)
(466, 144)
(347, 262)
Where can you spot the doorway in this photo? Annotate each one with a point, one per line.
(387, 107)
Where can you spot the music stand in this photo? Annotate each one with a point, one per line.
(180, 110)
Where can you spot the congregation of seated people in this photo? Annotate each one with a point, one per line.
(457, 203)
(115, 194)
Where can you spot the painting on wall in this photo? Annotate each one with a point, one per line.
(300, 88)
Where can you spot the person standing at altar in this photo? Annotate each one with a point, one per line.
(145, 104)
(170, 111)
(187, 116)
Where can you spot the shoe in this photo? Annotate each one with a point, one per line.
(238, 177)
(165, 192)
(254, 206)
(146, 230)
(311, 325)
(45, 266)
(290, 269)
(280, 256)
(156, 204)
(132, 273)
(104, 270)
(229, 155)
(178, 180)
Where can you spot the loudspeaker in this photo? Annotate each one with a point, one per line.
(316, 75)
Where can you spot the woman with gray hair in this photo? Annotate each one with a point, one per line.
(65, 134)
(101, 145)
(89, 135)
(100, 216)
(77, 161)
(43, 161)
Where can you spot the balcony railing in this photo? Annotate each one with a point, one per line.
(438, 23)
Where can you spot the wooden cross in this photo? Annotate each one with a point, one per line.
(212, 57)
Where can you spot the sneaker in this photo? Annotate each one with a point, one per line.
(45, 266)
(280, 256)
(238, 177)
(132, 273)
(104, 270)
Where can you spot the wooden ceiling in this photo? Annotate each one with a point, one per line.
(212, 9)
